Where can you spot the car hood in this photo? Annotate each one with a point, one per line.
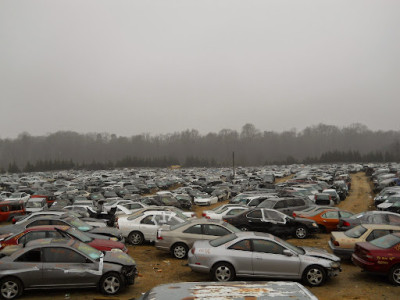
(119, 258)
(110, 231)
(384, 205)
(320, 253)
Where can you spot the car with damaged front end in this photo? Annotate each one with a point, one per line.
(256, 254)
(64, 263)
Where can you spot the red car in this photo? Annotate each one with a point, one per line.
(40, 232)
(381, 255)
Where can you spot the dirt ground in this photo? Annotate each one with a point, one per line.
(157, 267)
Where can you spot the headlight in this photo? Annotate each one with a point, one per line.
(335, 265)
(314, 225)
(113, 239)
(116, 250)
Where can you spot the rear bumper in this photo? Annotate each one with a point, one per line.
(341, 252)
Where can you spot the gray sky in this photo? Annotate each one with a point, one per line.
(130, 67)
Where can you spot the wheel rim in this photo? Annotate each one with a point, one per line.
(111, 285)
(396, 275)
(301, 232)
(223, 273)
(9, 290)
(180, 251)
(314, 276)
(136, 238)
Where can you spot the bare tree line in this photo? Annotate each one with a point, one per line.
(251, 146)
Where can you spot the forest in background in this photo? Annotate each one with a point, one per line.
(252, 147)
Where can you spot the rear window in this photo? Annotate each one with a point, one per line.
(222, 240)
(387, 241)
(356, 232)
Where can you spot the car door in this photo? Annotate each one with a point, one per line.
(28, 267)
(65, 267)
(192, 234)
(276, 222)
(330, 219)
(240, 254)
(269, 260)
(148, 227)
(212, 231)
(255, 220)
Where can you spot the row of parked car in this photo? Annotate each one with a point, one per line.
(243, 238)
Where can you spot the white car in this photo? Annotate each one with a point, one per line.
(35, 204)
(205, 199)
(141, 227)
(19, 196)
(225, 211)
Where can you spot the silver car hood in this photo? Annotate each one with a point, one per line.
(320, 253)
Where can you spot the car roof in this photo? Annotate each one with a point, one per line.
(381, 226)
(51, 241)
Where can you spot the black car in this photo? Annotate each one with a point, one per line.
(274, 222)
(369, 217)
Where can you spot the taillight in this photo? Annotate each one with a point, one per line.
(13, 220)
(294, 215)
(370, 257)
(336, 243)
(192, 250)
(315, 197)
(207, 217)
(203, 215)
(345, 223)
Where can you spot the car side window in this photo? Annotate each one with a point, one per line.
(234, 212)
(54, 234)
(377, 234)
(267, 247)
(38, 223)
(33, 255)
(279, 204)
(344, 214)
(58, 222)
(244, 245)
(331, 215)
(195, 229)
(256, 214)
(271, 215)
(394, 219)
(148, 220)
(210, 229)
(62, 255)
(30, 236)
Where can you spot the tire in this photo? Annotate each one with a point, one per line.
(111, 283)
(223, 272)
(301, 232)
(180, 251)
(136, 238)
(394, 275)
(244, 228)
(314, 275)
(10, 288)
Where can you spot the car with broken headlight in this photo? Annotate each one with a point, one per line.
(261, 255)
(64, 263)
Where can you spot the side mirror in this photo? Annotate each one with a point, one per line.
(287, 252)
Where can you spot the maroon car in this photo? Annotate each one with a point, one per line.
(381, 255)
(40, 232)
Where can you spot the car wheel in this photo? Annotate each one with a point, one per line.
(10, 288)
(394, 275)
(135, 238)
(223, 272)
(111, 283)
(301, 232)
(244, 228)
(314, 276)
(179, 251)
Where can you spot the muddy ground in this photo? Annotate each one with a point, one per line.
(156, 267)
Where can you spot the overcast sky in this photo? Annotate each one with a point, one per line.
(131, 67)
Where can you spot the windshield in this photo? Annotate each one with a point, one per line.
(356, 232)
(35, 204)
(387, 241)
(80, 224)
(88, 250)
(289, 246)
(222, 240)
(231, 227)
(79, 235)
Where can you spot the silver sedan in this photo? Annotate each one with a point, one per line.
(255, 254)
